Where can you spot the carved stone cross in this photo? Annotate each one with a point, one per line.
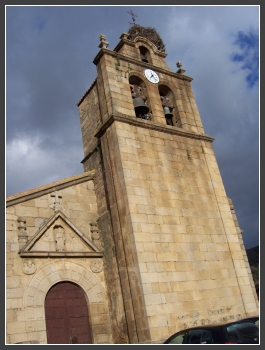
(57, 204)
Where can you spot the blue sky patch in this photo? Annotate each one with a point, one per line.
(39, 23)
(248, 55)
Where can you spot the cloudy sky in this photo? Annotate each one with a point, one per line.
(49, 65)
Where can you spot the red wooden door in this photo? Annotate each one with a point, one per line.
(66, 315)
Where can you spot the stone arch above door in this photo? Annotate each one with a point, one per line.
(66, 315)
(58, 271)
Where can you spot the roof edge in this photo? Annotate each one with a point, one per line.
(53, 186)
(86, 92)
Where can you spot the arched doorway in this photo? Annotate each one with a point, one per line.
(66, 315)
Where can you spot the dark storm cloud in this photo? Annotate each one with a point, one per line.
(49, 65)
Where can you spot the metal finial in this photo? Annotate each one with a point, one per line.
(179, 64)
(133, 16)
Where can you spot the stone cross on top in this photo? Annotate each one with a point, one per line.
(57, 204)
(180, 69)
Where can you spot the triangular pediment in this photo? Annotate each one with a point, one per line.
(59, 237)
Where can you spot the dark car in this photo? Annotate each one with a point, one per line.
(237, 332)
(253, 319)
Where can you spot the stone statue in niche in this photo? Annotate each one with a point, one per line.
(59, 237)
(29, 267)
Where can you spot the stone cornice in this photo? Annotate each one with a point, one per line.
(173, 130)
(139, 63)
(54, 186)
(90, 153)
(26, 254)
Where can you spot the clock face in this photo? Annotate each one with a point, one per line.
(151, 76)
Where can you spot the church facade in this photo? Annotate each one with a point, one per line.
(145, 242)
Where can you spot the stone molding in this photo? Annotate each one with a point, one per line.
(60, 254)
(173, 130)
(90, 153)
(139, 63)
(26, 250)
(150, 45)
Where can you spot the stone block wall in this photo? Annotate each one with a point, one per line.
(90, 119)
(240, 238)
(183, 256)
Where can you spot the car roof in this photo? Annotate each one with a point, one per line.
(214, 325)
(211, 327)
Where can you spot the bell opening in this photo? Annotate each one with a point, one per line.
(144, 53)
(168, 115)
(141, 111)
(144, 59)
(140, 107)
(169, 120)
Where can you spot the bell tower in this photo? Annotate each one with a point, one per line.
(173, 251)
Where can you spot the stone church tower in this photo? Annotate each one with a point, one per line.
(146, 239)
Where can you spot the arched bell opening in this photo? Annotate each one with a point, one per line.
(145, 54)
(139, 96)
(167, 98)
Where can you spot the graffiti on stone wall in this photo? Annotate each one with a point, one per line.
(219, 311)
(208, 320)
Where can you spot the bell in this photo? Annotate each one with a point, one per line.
(139, 106)
(168, 115)
(167, 112)
(143, 58)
